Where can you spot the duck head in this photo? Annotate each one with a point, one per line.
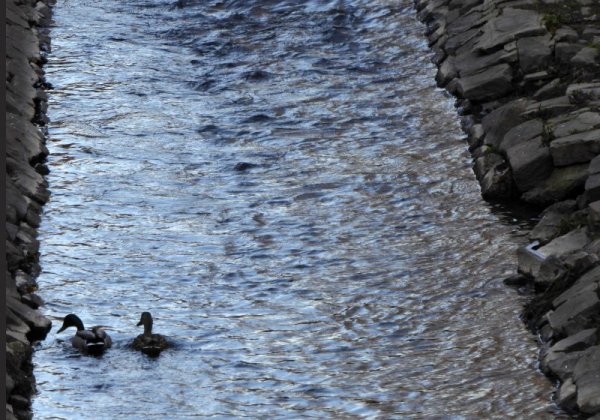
(71, 320)
(146, 321)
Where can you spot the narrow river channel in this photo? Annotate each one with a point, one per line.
(283, 186)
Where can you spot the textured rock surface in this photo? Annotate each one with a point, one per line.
(26, 192)
(527, 77)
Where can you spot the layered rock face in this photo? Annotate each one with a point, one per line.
(527, 77)
(26, 192)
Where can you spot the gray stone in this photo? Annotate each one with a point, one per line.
(455, 42)
(594, 217)
(38, 325)
(446, 72)
(535, 53)
(578, 123)
(586, 376)
(562, 183)
(530, 162)
(561, 365)
(564, 52)
(575, 314)
(586, 283)
(577, 342)
(587, 56)
(569, 242)
(582, 93)
(592, 187)
(498, 122)
(511, 25)
(552, 90)
(488, 84)
(548, 108)
(594, 166)
(521, 133)
(470, 63)
(567, 394)
(576, 148)
(566, 34)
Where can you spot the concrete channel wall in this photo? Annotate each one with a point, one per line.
(26, 192)
(526, 74)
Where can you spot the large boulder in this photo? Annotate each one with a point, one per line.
(531, 163)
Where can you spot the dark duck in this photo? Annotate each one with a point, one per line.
(93, 341)
(148, 343)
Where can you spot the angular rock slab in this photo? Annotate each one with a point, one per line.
(511, 25)
(488, 84)
(576, 148)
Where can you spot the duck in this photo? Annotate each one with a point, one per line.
(93, 341)
(148, 343)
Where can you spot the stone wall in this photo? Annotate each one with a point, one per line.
(526, 74)
(26, 191)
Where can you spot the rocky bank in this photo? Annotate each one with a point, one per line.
(526, 74)
(26, 191)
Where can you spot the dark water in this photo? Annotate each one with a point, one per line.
(283, 186)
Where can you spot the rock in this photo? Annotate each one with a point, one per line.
(594, 218)
(551, 90)
(511, 25)
(530, 162)
(576, 148)
(567, 395)
(586, 282)
(573, 124)
(498, 122)
(38, 325)
(582, 93)
(564, 51)
(566, 34)
(470, 63)
(550, 226)
(535, 53)
(561, 365)
(569, 242)
(586, 376)
(548, 108)
(562, 183)
(521, 133)
(576, 313)
(488, 84)
(577, 342)
(592, 187)
(587, 56)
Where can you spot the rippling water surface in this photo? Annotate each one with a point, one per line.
(283, 186)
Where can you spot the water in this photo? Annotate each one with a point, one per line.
(283, 186)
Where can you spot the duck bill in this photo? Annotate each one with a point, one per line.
(61, 329)
(139, 323)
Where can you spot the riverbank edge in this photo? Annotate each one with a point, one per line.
(526, 75)
(27, 42)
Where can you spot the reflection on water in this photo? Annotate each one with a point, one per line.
(281, 184)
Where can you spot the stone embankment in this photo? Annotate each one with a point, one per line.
(26, 191)
(527, 77)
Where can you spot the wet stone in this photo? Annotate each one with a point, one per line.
(488, 84)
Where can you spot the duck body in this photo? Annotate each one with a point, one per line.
(93, 341)
(148, 343)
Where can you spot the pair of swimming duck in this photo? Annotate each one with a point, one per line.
(95, 340)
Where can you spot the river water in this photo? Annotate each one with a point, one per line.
(282, 185)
